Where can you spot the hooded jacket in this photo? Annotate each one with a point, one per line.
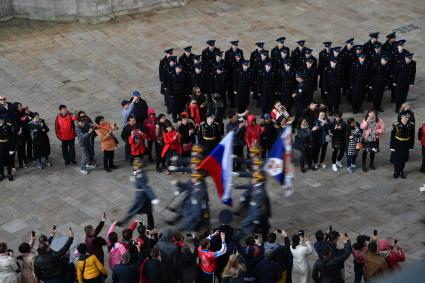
(253, 132)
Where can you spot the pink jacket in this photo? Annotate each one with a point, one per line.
(379, 130)
(116, 251)
(358, 254)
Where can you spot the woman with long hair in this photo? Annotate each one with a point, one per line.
(234, 270)
(373, 128)
(300, 250)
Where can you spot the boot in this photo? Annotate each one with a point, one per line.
(402, 175)
(364, 168)
(372, 165)
(396, 175)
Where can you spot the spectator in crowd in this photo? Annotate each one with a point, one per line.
(269, 134)
(89, 268)
(127, 272)
(338, 130)
(127, 109)
(321, 242)
(116, 249)
(7, 148)
(172, 146)
(207, 258)
(149, 128)
(375, 264)
(8, 265)
(26, 261)
(84, 130)
(358, 250)
(108, 142)
(234, 270)
(253, 132)
(300, 250)
(305, 144)
(267, 270)
(24, 143)
(140, 108)
(373, 128)
(421, 137)
(50, 266)
(160, 129)
(40, 141)
(353, 143)
(137, 144)
(393, 253)
(65, 132)
(321, 139)
(278, 110)
(125, 134)
(186, 131)
(154, 269)
(93, 241)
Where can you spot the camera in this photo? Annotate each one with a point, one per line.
(301, 233)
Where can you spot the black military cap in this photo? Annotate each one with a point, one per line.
(401, 42)
(198, 65)
(358, 47)
(360, 55)
(211, 42)
(286, 62)
(234, 42)
(308, 50)
(349, 41)
(225, 216)
(268, 62)
(301, 42)
(377, 45)
(332, 59)
(385, 56)
(238, 54)
(309, 60)
(260, 44)
(218, 53)
(281, 39)
(336, 49)
(245, 62)
(300, 74)
(264, 52)
(168, 51)
(188, 48)
(408, 55)
(197, 57)
(374, 34)
(173, 58)
(219, 66)
(211, 113)
(327, 43)
(178, 65)
(391, 35)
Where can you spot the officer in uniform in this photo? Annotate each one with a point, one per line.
(232, 59)
(369, 45)
(390, 47)
(323, 63)
(348, 58)
(286, 84)
(396, 58)
(380, 72)
(331, 86)
(402, 141)
(266, 87)
(297, 55)
(242, 85)
(163, 69)
(186, 60)
(255, 63)
(276, 52)
(170, 70)
(198, 77)
(359, 83)
(7, 148)
(144, 196)
(209, 133)
(300, 96)
(217, 82)
(310, 71)
(404, 79)
(374, 56)
(208, 59)
(176, 91)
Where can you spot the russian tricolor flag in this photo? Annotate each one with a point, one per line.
(219, 165)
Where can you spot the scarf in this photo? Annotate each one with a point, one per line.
(194, 114)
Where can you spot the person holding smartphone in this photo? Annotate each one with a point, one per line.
(108, 141)
(300, 250)
(8, 265)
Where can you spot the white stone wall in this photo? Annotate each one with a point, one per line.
(80, 10)
(6, 12)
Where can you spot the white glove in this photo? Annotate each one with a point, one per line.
(392, 149)
(11, 152)
(174, 158)
(235, 174)
(242, 199)
(172, 168)
(155, 201)
(173, 182)
(284, 234)
(176, 193)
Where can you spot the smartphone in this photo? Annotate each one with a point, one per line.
(190, 235)
(104, 215)
(54, 227)
(330, 228)
(375, 232)
(346, 235)
(256, 236)
(70, 229)
(279, 231)
(395, 242)
(33, 233)
(301, 233)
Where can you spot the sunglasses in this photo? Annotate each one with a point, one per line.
(2, 99)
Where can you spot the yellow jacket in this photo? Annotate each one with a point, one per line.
(92, 269)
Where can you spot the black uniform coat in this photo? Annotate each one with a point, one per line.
(296, 57)
(332, 85)
(176, 92)
(163, 69)
(348, 58)
(242, 84)
(379, 79)
(266, 87)
(275, 54)
(402, 140)
(209, 136)
(323, 63)
(286, 86)
(404, 76)
(359, 82)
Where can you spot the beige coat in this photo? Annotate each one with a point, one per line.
(27, 265)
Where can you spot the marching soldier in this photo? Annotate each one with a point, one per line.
(266, 87)
(404, 79)
(209, 133)
(402, 141)
(323, 63)
(286, 84)
(7, 148)
(255, 63)
(379, 78)
(242, 85)
(359, 83)
(348, 59)
(332, 86)
(276, 52)
(369, 45)
(297, 55)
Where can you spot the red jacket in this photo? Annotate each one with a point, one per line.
(65, 128)
(394, 258)
(421, 134)
(137, 144)
(149, 126)
(253, 132)
(171, 143)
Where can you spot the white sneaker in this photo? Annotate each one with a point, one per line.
(334, 167)
(339, 164)
(349, 170)
(91, 166)
(85, 172)
(422, 189)
(353, 165)
(323, 165)
(316, 166)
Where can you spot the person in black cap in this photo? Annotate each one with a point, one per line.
(7, 147)
(233, 58)
(404, 79)
(255, 62)
(186, 59)
(276, 51)
(368, 46)
(209, 133)
(266, 87)
(300, 95)
(389, 46)
(331, 86)
(198, 78)
(323, 63)
(348, 58)
(402, 141)
(310, 71)
(297, 55)
(379, 78)
(243, 85)
(374, 55)
(359, 83)
(280, 62)
(172, 61)
(163, 69)
(217, 82)
(176, 94)
(208, 59)
(396, 58)
(286, 84)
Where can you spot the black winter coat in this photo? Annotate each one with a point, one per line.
(332, 85)
(338, 134)
(328, 270)
(268, 271)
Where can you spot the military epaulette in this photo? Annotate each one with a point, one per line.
(395, 123)
(410, 122)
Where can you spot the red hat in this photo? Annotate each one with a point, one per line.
(184, 115)
(151, 111)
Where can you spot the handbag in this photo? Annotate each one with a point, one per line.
(298, 143)
(115, 139)
(187, 147)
